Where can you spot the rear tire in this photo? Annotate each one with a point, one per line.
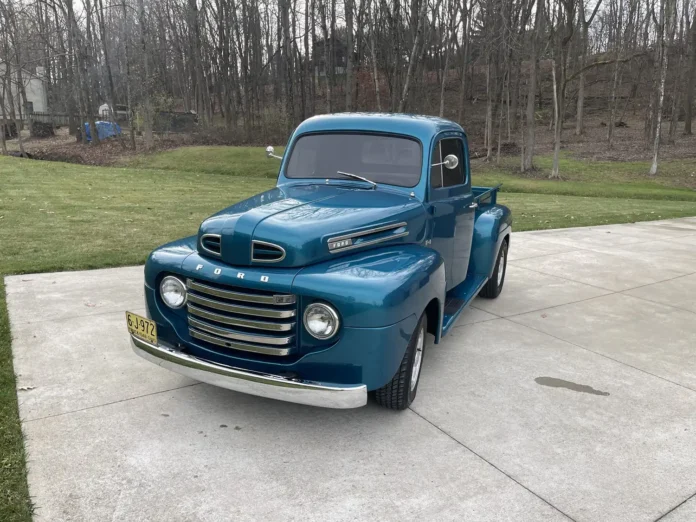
(494, 286)
(398, 394)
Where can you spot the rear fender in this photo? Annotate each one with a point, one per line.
(492, 226)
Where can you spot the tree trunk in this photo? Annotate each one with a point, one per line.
(129, 100)
(375, 72)
(556, 124)
(530, 138)
(289, 89)
(691, 82)
(327, 64)
(580, 108)
(665, 16)
(147, 105)
(111, 99)
(465, 60)
(349, 51)
(448, 40)
(414, 53)
(3, 114)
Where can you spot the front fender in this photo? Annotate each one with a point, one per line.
(376, 288)
(169, 257)
(492, 226)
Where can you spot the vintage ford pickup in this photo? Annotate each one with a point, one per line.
(323, 289)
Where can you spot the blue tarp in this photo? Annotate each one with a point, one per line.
(105, 129)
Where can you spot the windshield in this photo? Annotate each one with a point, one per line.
(382, 159)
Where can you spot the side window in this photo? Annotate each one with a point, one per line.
(454, 176)
(440, 176)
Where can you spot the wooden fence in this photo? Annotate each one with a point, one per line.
(59, 119)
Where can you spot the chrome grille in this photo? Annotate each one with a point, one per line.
(241, 319)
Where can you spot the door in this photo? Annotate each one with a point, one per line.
(451, 204)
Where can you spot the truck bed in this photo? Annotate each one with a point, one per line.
(485, 196)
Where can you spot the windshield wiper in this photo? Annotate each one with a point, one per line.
(355, 176)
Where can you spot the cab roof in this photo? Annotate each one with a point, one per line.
(421, 127)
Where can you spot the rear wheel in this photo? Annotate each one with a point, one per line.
(399, 393)
(494, 285)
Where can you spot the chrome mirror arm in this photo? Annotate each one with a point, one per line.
(270, 153)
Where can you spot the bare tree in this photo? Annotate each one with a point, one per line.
(691, 82)
(665, 29)
(530, 123)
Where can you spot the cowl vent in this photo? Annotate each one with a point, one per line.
(262, 252)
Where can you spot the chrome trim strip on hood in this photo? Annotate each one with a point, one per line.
(375, 230)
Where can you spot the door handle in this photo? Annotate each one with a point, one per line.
(473, 205)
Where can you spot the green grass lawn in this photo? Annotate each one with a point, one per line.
(56, 216)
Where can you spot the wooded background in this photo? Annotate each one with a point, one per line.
(253, 69)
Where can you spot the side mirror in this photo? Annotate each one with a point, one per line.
(270, 153)
(451, 162)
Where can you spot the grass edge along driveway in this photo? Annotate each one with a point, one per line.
(125, 212)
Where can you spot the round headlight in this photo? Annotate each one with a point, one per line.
(321, 321)
(173, 292)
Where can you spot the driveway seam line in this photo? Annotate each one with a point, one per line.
(601, 355)
(657, 302)
(71, 317)
(110, 403)
(656, 282)
(543, 255)
(552, 307)
(611, 292)
(595, 226)
(512, 263)
(675, 507)
(492, 465)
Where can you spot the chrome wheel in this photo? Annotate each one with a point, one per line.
(501, 267)
(418, 358)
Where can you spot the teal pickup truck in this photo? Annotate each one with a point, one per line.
(323, 289)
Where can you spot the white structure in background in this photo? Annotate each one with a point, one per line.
(121, 112)
(34, 86)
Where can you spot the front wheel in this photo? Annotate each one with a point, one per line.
(398, 394)
(494, 285)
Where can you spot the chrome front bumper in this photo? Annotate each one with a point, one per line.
(253, 383)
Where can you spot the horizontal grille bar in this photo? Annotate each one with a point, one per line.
(239, 309)
(284, 299)
(213, 339)
(240, 336)
(240, 321)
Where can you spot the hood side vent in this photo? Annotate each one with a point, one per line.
(262, 252)
(210, 243)
(369, 237)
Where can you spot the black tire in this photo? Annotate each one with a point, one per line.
(494, 286)
(398, 394)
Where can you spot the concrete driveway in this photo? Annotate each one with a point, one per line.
(571, 396)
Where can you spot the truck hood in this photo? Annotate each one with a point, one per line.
(290, 226)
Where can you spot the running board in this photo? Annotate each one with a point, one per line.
(457, 299)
